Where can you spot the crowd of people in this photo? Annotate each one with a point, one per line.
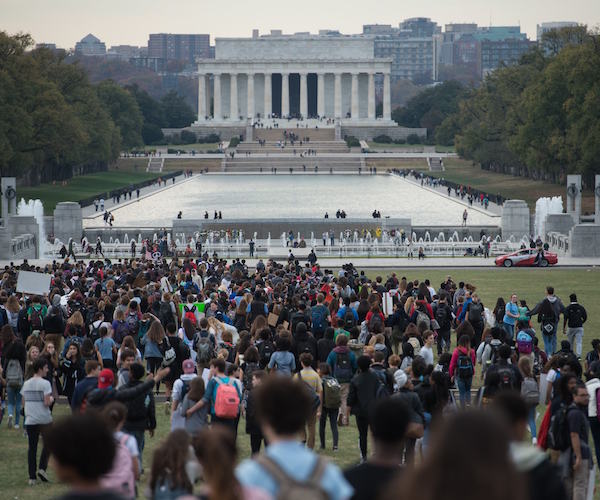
(289, 350)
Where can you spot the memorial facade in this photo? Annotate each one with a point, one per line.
(293, 77)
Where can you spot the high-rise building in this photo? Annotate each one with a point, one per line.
(179, 47)
(501, 45)
(126, 52)
(90, 46)
(545, 27)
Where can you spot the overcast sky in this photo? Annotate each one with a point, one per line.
(130, 21)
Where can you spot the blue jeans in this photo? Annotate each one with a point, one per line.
(140, 439)
(14, 402)
(531, 421)
(510, 330)
(549, 344)
(464, 390)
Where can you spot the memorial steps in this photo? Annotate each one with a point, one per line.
(255, 163)
(276, 134)
(275, 147)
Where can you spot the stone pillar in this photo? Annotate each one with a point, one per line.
(387, 103)
(68, 221)
(268, 95)
(354, 106)
(234, 112)
(321, 94)
(597, 198)
(285, 95)
(8, 185)
(251, 95)
(202, 98)
(303, 96)
(218, 114)
(584, 240)
(515, 220)
(371, 94)
(338, 96)
(574, 196)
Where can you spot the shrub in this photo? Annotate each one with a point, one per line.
(384, 139)
(210, 138)
(172, 151)
(413, 139)
(400, 141)
(352, 141)
(234, 142)
(188, 137)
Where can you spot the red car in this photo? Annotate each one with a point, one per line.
(526, 257)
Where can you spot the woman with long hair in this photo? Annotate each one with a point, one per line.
(72, 369)
(499, 310)
(473, 442)
(216, 451)
(530, 392)
(240, 320)
(12, 307)
(75, 326)
(173, 463)
(13, 352)
(259, 323)
(199, 419)
(128, 343)
(33, 353)
(462, 368)
(51, 356)
(188, 335)
(151, 342)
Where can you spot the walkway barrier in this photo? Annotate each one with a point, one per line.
(558, 241)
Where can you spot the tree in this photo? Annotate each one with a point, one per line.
(124, 111)
(152, 113)
(177, 112)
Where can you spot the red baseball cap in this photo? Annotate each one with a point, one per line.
(188, 366)
(106, 379)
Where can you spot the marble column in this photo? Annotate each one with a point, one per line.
(234, 113)
(202, 98)
(218, 114)
(321, 94)
(338, 96)
(354, 105)
(268, 95)
(387, 104)
(251, 95)
(371, 95)
(303, 96)
(285, 95)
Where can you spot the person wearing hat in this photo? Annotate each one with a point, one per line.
(180, 388)
(416, 427)
(105, 393)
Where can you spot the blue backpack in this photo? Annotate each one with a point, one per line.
(317, 318)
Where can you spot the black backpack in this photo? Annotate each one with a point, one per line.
(465, 369)
(349, 320)
(165, 314)
(442, 317)
(375, 323)
(558, 434)
(475, 317)
(265, 351)
(342, 370)
(507, 377)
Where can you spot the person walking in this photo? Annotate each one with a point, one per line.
(37, 394)
(462, 369)
(511, 314)
(251, 245)
(312, 380)
(574, 317)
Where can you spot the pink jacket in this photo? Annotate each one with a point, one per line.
(454, 360)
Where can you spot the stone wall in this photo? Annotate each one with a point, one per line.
(515, 219)
(585, 240)
(368, 132)
(559, 223)
(67, 221)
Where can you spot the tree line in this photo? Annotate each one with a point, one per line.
(55, 124)
(537, 119)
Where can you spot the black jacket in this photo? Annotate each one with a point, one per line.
(141, 413)
(101, 397)
(324, 347)
(363, 392)
(575, 315)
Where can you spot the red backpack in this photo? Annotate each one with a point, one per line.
(227, 400)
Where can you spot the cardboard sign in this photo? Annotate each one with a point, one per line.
(272, 320)
(33, 283)
(388, 304)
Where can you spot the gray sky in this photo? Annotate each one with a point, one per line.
(130, 21)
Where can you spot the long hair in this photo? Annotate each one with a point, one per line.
(469, 459)
(188, 328)
(216, 451)
(168, 462)
(156, 332)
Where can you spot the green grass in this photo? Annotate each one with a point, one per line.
(82, 186)
(381, 146)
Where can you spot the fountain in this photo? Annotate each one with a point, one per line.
(35, 208)
(544, 207)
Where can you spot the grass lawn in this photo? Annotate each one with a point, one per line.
(529, 284)
(464, 172)
(82, 186)
(384, 146)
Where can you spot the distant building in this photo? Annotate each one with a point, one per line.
(126, 52)
(501, 45)
(545, 27)
(410, 46)
(90, 46)
(179, 47)
(50, 46)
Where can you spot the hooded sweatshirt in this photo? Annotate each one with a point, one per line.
(454, 361)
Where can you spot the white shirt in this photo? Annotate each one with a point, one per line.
(592, 386)
(427, 354)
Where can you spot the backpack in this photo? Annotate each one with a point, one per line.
(530, 391)
(332, 393)
(36, 321)
(524, 342)
(317, 318)
(265, 351)
(342, 370)
(423, 317)
(558, 434)
(465, 366)
(185, 388)
(190, 314)
(548, 324)
(375, 323)
(442, 318)
(120, 478)
(249, 369)
(121, 332)
(349, 320)
(382, 388)
(291, 489)
(507, 377)
(165, 314)
(133, 324)
(204, 348)
(474, 311)
(14, 374)
(227, 400)
(95, 333)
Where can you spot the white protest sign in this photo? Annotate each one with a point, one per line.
(33, 283)
(388, 304)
